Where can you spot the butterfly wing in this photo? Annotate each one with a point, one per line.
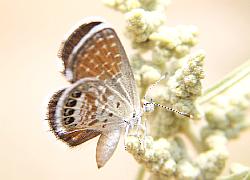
(74, 37)
(93, 49)
(73, 138)
(106, 146)
(85, 109)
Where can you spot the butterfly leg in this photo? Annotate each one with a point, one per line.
(143, 128)
(138, 127)
(128, 126)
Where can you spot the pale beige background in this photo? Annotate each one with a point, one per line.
(30, 33)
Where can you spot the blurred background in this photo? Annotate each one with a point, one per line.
(30, 34)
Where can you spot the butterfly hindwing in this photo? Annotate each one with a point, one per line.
(71, 138)
(85, 109)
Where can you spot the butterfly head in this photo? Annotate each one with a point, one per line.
(148, 106)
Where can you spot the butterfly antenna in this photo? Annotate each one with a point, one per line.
(174, 110)
(153, 85)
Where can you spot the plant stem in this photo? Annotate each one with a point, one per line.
(230, 80)
(140, 174)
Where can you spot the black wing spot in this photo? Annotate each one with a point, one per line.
(76, 94)
(68, 112)
(103, 110)
(118, 104)
(69, 120)
(110, 114)
(71, 102)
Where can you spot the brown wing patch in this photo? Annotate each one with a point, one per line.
(78, 137)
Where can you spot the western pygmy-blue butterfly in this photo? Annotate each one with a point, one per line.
(102, 99)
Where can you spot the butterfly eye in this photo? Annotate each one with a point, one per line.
(68, 112)
(71, 103)
(69, 120)
(76, 94)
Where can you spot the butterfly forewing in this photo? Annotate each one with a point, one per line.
(73, 38)
(100, 54)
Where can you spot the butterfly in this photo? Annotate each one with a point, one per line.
(102, 99)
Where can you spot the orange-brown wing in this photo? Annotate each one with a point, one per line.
(92, 49)
(96, 56)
